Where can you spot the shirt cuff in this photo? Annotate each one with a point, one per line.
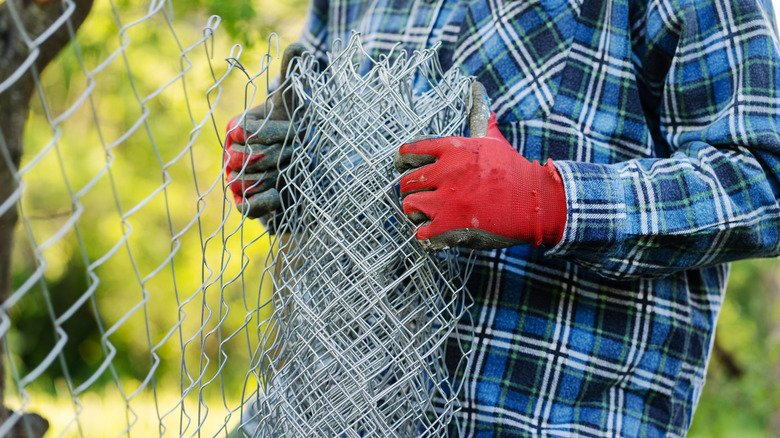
(596, 220)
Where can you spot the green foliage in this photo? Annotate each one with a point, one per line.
(742, 395)
(33, 338)
(244, 21)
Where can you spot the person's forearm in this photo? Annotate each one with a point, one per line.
(650, 217)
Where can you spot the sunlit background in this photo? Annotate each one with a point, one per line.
(742, 394)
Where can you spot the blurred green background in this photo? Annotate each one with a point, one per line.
(741, 397)
(142, 298)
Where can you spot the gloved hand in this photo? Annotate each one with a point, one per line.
(257, 145)
(480, 192)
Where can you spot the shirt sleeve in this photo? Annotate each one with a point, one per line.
(715, 198)
(314, 35)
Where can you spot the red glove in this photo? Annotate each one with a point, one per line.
(251, 163)
(480, 193)
(256, 149)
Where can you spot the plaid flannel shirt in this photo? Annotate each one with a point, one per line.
(662, 117)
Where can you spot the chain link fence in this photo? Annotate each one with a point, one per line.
(136, 298)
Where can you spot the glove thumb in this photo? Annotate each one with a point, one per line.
(482, 121)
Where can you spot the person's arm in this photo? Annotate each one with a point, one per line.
(714, 69)
(716, 198)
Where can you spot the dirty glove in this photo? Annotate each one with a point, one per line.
(257, 145)
(480, 192)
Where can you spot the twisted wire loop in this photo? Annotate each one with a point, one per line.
(356, 343)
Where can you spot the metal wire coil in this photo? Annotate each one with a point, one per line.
(355, 346)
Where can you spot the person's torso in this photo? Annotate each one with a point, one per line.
(558, 349)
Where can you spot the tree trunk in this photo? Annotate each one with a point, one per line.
(35, 17)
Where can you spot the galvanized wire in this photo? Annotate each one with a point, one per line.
(355, 347)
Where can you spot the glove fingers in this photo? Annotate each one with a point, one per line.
(256, 130)
(254, 117)
(232, 132)
(244, 185)
(420, 207)
(260, 204)
(258, 158)
(262, 131)
(239, 155)
(422, 179)
(468, 238)
(417, 217)
(274, 156)
(429, 146)
(404, 162)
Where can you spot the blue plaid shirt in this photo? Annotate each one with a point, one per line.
(663, 118)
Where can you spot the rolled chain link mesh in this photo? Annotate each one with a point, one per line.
(356, 341)
(141, 302)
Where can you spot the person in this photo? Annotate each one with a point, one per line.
(600, 275)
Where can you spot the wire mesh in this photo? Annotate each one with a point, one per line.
(143, 303)
(110, 325)
(355, 346)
